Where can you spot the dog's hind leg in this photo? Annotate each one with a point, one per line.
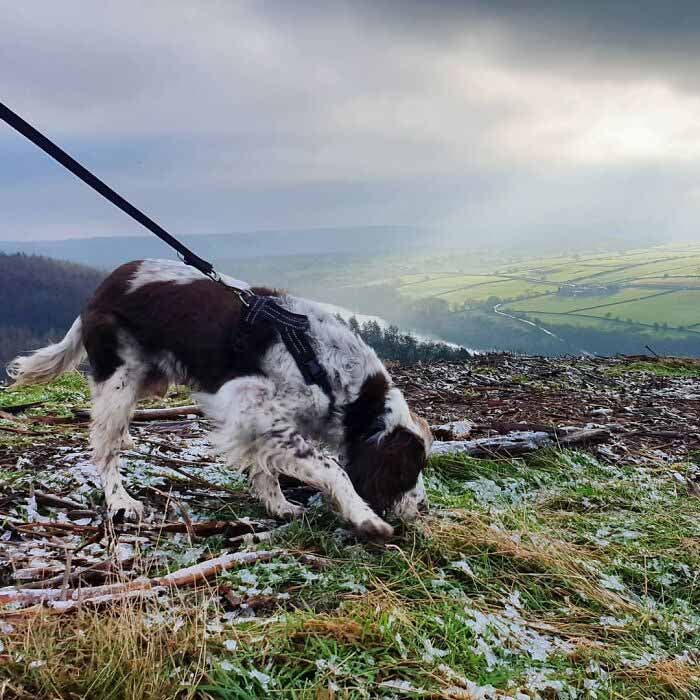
(127, 440)
(112, 403)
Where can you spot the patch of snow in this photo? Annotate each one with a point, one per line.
(432, 652)
(611, 583)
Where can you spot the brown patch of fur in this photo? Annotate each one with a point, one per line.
(197, 324)
(383, 470)
(380, 470)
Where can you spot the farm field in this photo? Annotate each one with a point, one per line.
(677, 309)
(553, 303)
(658, 287)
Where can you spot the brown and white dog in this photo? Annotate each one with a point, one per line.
(156, 322)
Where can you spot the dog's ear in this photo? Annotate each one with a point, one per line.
(385, 466)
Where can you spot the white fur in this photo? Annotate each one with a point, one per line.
(47, 363)
(407, 507)
(347, 359)
(397, 412)
(112, 404)
(150, 271)
(257, 424)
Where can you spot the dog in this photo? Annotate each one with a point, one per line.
(152, 323)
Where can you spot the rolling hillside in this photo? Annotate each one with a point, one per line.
(654, 287)
(41, 298)
(108, 252)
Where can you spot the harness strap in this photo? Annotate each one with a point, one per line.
(293, 329)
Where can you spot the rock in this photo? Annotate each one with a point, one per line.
(454, 430)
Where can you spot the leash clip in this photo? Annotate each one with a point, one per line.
(241, 294)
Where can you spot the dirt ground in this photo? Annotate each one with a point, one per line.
(651, 407)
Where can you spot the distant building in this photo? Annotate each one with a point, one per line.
(588, 290)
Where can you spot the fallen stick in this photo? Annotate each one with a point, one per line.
(34, 573)
(197, 479)
(49, 499)
(60, 607)
(53, 527)
(21, 407)
(188, 576)
(100, 570)
(518, 443)
(148, 414)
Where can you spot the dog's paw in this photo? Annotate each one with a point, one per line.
(375, 529)
(287, 511)
(124, 507)
(128, 443)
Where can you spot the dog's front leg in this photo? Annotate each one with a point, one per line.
(287, 452)
(266, 487)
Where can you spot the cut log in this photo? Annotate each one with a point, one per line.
(518, 443)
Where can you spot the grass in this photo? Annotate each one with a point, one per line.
(553, 575)
(70, 391)
(663, 367)
(130, 651)
(57, 398)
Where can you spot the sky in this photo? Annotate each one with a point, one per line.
(493, 122)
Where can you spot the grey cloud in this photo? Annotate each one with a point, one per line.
(224, 116)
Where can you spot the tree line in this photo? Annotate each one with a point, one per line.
(40, 299)
(390, 343)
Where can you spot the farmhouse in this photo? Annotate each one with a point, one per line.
(587, 290)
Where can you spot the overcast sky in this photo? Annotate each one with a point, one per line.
(496, 120)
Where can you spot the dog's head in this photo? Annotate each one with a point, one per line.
(387, 448)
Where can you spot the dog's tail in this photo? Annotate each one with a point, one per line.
(47, 363)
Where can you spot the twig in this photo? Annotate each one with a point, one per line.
(200, 480)
(188, 576)
(101, 569)
(66, 576)
(187, 521)
(49, 499)
(149, 414)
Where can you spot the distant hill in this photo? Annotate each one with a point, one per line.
(41, 298)
(108, 252)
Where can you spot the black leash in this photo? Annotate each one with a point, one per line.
(291, 327)
(68, 162)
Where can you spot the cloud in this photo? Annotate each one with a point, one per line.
(224, 116)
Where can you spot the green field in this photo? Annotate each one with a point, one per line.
(677, 309)
(657, 287)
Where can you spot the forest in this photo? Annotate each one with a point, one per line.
(40, 299)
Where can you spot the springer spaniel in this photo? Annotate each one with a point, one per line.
(156, 322)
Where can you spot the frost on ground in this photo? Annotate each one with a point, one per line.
(559, 574)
